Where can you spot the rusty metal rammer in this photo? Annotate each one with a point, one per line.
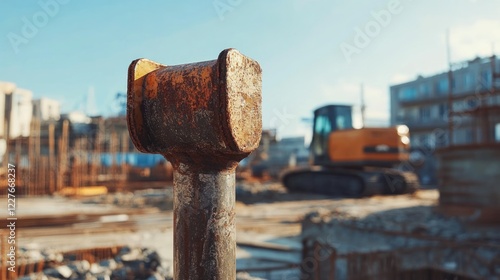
(204, 118)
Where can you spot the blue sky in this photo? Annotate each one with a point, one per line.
(83, 44)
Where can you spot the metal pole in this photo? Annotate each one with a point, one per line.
(204, 228)
(451, 112)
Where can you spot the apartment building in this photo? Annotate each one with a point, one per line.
(423, 105)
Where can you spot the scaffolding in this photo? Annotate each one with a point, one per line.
(54, 157)
(485, 112)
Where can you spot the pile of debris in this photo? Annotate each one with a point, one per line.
(160, 198)
(252, 192)
(396, 242)
(129, 263)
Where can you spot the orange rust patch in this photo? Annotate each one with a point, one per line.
(177, 79)
(151, 86)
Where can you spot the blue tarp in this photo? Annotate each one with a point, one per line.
(134, 159)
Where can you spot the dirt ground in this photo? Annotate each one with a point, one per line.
(268, 224)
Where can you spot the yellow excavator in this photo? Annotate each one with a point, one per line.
(350, 162)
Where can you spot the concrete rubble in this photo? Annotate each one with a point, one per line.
(397, 240)
(159, 198)
(129, 263)
(269, 192)
(257, 192)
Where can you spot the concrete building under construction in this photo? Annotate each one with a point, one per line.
(424, 106)
(53, 151)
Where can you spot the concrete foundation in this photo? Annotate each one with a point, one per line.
(469, 182)
(413, 242)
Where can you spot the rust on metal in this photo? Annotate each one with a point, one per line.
(204, 118)
(199, 113)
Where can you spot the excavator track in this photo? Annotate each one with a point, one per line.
(340, 182)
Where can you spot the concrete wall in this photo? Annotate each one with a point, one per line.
(469, 182)
(394, 244)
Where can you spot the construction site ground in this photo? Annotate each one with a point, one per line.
(268, 222)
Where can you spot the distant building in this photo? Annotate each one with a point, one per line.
(18, 110)
(422, 104)
(274, 155)
(45, 109)
(5, 88)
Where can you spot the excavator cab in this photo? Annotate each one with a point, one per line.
(336, 143)
(328, 119)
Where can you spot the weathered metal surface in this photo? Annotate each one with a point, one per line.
(202, 113)
(469, 177)
(205, 239)
(204, 118)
